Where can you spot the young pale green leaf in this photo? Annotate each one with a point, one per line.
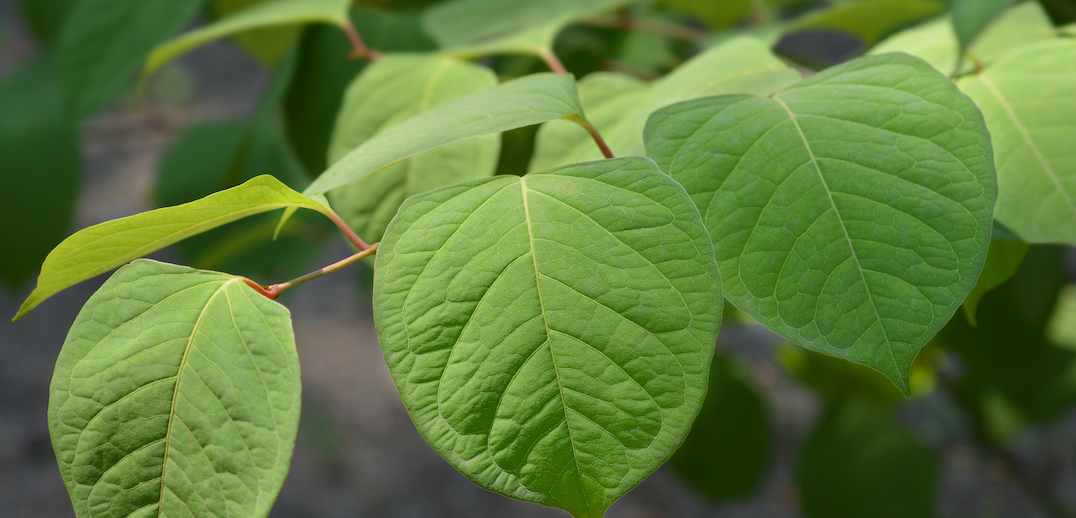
(551, 334)
(1029, 101)
(936, 42)
(478, 27)
(100, 248)
(850, 212)
(103, 42)
(870, 20)
(970, 17)
(40, 161)
(521, 102)
(393, 89)
(1002, 261)
(741, 65)
(268, 14)
(176, 393)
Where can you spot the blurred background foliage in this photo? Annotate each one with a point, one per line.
(827, 438)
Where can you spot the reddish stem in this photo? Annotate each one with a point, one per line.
(593, 134)
(350, 234)
(553, 63)
(359, 49)
(274, 291)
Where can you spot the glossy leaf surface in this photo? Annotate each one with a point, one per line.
(551, 335)
(176, 394)
(742, 65)
(1029, 101)
(521, 102)
(850, 212)
(103, 43)
(97, 249)
(393, 89)
(268, 14)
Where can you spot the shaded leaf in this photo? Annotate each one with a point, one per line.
(393, 89)
(549, 345)
(870, 20)
(858, 462)
(728, 450)
(97, 249)
(970, 17)
(619, 107)
(1029, 100)
(1002, 260)
(40, 161)
(103, 43)
(521, 102)
(176, 393)
(850, 212)
(266, 45)
(268, 14)
(46, 17)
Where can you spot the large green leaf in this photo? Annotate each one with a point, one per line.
(97, 249)
(1029, 100)
(521, 102)
(850, 212)
(478, 27)
(970, 17)
(619, 107)
(176, 394)
(393, 89)
(103, 43)
(268, 14)
(858, 463)
(551, 334)
(40, 163)
(936, 41)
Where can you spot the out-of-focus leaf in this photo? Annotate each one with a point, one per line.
(838, 380)
(1002, 260)
(859, 463)
(267, 14)
(40, 163)
(970, 17)
(103, 43)
(324, 71)
(266, 45)
(176, 393)
(870, 20)
(46, 17)
(393, 89)
(620, 107)
(1061, 328)
(728, 450)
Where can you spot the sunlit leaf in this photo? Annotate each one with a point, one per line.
(176, 393)
(850, 212)
(551, 334)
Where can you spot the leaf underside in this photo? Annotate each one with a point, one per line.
(551, 335)
(176, 394)
(850, 213)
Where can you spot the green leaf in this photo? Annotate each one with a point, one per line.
(619, 106)
(728, 451)
(858, 463)
(45, 17)
(521, 102)
(870, 20)
(1002, 260)
(850, 212)
(717, 15)
(1029, 101)
(97, 249)
(103, 43)
(268, 14)
(40, 163)
(324, 72)
(176, 393)
(393, 89)
(936, 42)
(480, 27)
(970, 17)
(266, 45)
(551, 335)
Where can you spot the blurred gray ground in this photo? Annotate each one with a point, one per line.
(358, 453)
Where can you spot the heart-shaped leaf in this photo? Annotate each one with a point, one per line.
(551, 334)
(176, 394)
(1029, 101)
(393, 89)
(100, 248)
(850, 212)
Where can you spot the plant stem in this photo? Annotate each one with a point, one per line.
(274, 291)
(359, 49)
(594, 135)
(626, 22)
(552, 62)
(350, 234)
